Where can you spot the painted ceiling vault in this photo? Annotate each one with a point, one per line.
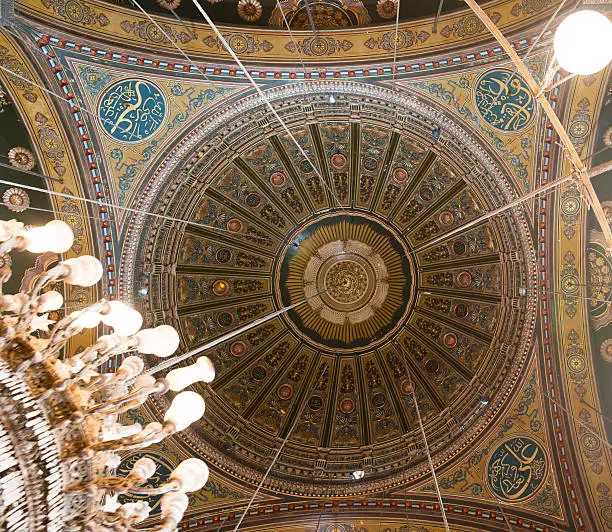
(368, 215)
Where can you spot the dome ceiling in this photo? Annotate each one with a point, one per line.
(325, 14)
(388, 312)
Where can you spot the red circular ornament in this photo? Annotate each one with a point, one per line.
(406, 387)
(400, 175)
(237, 349)
(450, 339)
(220, 288)
(277, 179)
(347, 405)
(446, 217)
(464, 279)
(284, 392)
(338, 160)
(234, 225)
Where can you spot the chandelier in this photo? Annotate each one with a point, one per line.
(60, 416)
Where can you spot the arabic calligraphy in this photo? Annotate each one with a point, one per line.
(504, 100)
(161, 475)
(516, 469)
(132, 110)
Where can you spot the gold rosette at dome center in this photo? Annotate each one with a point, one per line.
(359, 276)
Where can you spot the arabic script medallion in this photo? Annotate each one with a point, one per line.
(161, 476)
(132, 110)
(517, 469)
(504, 100)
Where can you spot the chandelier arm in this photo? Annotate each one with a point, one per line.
(135, 442)
(573, 155)
(131, 400)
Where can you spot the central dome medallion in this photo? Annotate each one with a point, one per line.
(357, 276)
(394, 300)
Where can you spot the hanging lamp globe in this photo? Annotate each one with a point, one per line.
(583, 42)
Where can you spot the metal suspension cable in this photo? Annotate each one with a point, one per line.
(535, 42)
(170, 39)
(265, 99)
(263, 479)
(247, 75)
(504, 516)
(397, 12)
(228, 336)
(276, 456)
(80, 105)
(120, 207)
(490, 214)
(577, 420)
(593, 172)
(431, 465)
(291, 34)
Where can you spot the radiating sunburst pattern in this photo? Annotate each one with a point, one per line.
(362, 274)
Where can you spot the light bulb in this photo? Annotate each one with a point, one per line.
(131, 367)
(583, 42)
(124, 319)
(50, 300)
(143, 468)
(203, 370)
(13, 303)
(55, 236)
(332, 98)
(161, 341)
(173, 506)
(186, 408)
(86, 319)
(192, 475)
(83, 271)
(9, 229)
(136, 511)
(143, 381)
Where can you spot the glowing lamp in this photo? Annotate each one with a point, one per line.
(173, 506)
(131, 367)
(143, 468)
(123, 318)
(83, 271)
(186, 408)
(191, 474)
(50, 300)
(203, 370)
(55, 236)
(583, 42)
(86, 319)
(161, 341)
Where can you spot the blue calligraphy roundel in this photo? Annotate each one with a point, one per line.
(504, 100)
(132, 110)
(517, 469)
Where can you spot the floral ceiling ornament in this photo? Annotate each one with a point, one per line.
(21, 158)
(169, 4)
(250, 10)
(386, 8)
(607, 137)
(16, 200)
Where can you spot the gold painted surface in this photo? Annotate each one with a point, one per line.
(127, 163)
(54, 152)
(572, 331)
(125, 27)
(458, 93)
(478, 472)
